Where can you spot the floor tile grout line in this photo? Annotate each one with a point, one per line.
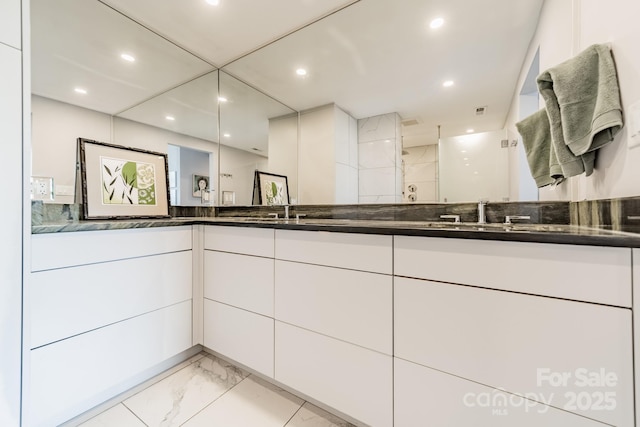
(216, 399)
(295, 413)
(134, 414)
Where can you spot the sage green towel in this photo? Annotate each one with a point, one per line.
(536, 138)
(583, 103)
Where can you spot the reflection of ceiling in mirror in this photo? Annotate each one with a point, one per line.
(379, 56)
(245, 115)
(79, 43)
(190, 109)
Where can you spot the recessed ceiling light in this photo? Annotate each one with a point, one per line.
(222, 99)
(170, 118)
(301, 72)
(436, 23)
(127, 57)
(466, 164)
(213, 2)
(80, 90)
(463, 151)
(447, 83)
(470, 130)
(227, 135)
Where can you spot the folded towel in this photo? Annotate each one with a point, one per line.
(582, 98)
(536, 138)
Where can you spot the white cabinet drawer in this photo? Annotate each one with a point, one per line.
(350, 305)
(240, 335)
(72, 376)
(428, 397)
(57, 250)
(10, 23)
(240, 280)
(363, 252)
(584, 273)
(241, 240)
(513, 341)
(69, 301)
(347, 377)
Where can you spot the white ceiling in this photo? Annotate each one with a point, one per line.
(368, 56)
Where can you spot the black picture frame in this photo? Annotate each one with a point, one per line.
(121, 182)
(270, 189)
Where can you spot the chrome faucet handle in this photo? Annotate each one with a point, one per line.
(298, 216)
(509, 218)
(273, 215)
(455, 218)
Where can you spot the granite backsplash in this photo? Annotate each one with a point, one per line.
(621, 214)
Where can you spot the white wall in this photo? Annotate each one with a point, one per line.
(57, 125)
(474, 167)
(241, 165)
(316, 156)
(11, 173)
(283, 151)
(566, 28)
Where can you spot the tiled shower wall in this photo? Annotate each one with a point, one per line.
(380, 159)
(420, 174)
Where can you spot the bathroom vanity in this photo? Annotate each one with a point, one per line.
(386, 323)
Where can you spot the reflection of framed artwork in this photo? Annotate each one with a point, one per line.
(270, 189)
(200, 184)
(122, 182)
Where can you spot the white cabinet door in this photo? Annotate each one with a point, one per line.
(10, 23)
(239, 280)
(240, 240)
(73, 375)
(363, 252)
(11, 247)
(350, 305)
(70, 301)
(347, 377)
(243, 336)
(521, 343)
(583, 273)
(427, 397)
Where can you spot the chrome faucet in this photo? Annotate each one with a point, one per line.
(286, 211)
(482, 216)
(455, 218)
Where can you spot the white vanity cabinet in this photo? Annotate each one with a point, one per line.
(238, 295)
(107, 307)
(464, 313)
(10, 18)
(333, 311)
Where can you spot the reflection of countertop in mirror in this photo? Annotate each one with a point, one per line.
(541, 233)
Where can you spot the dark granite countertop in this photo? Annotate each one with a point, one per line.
(540, 233)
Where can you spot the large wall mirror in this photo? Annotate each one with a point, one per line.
(361, 126)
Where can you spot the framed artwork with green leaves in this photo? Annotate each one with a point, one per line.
(270, 189)
(122, 182)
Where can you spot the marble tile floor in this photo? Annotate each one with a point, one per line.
(208, 391)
